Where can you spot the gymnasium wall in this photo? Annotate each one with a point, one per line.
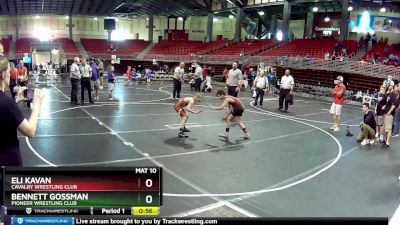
(297, 27)
(87, 27)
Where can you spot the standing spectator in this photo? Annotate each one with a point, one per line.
(111, 83)
(148, 75)
(94, 83)
(374, 40)
(75, 76)
(368, 126)
(23, 80)
(261, 85)
(286, 92)
(205, 71)
(234, 80)
(212, 71)
(178, 78)
(366, 40)
(251, 77)
(380, 113)
(86, 74)
(198, 78)
(129, 74)
(396, 121)
(101, 72)
(225, 74)
(273, 84)
(338, 94)
(390, 107)
(361, 42)
(13, 79)
(12, 120)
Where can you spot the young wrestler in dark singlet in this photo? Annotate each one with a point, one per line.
(236, 112)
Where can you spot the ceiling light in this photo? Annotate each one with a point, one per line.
(95, 18)
(327, 19)
(390, 21)
(116, 19)
(350, 8)
(180, 18)
(383, 9)
(261, 13)
(37, 17)
(66, 17)
(315, 9)
(231, 17)
(215, 19)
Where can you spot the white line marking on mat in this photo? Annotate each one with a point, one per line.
(195, 187)
(395, 220)
(237, 199)
(282, 187)
(37, 154)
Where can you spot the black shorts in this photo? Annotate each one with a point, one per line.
(237, 111)
(232, 91)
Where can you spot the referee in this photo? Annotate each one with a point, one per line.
(286, 92)
(178, 78)
(75, 76)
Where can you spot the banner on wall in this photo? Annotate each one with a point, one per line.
(368, 23)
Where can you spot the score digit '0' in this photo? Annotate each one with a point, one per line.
(153, 170)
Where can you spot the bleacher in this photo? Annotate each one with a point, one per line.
(23, 45)
(212, 46)
(105, 48)
(248, 47)
(175, 47)
(69, 47)
(379, 49)
(322, 78)
(309, 47)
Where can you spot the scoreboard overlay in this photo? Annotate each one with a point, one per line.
(82, 191)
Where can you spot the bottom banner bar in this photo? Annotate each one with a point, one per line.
(79, 220)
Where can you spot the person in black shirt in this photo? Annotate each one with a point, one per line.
(391, 105)
(11, 119)
(368, 126)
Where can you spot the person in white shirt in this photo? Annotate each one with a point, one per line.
(198, 77)
(178, 78)
(286, 92)
(75, 76)
(261, 87)
(86, 74)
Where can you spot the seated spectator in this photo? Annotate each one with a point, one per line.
(344, 52)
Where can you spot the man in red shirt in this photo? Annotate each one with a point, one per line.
(23, 79)
(205, 71)
(338, 94)
(22, 73)
(129, 74)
